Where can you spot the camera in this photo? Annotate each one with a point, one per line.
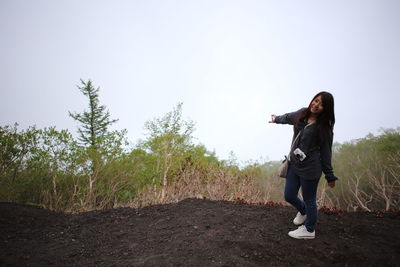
(299, 154)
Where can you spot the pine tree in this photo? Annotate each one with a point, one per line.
(94, 127)
(95, 122)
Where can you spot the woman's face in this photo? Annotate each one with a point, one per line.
(316, 106)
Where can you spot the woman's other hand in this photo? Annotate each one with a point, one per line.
(332, 184)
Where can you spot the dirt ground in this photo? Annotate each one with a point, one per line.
(194, 232)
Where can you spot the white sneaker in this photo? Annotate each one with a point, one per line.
(302, 233)
(300, 219)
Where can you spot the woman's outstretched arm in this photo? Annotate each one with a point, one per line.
(287, 118)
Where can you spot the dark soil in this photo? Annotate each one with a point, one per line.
(194, 232)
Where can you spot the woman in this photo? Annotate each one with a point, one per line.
(310, 155)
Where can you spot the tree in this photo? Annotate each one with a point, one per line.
(95, 122)
(169, 138)
(94, 128)
(370, 172)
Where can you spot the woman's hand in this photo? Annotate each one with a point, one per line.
(273, 116)
(332, 184)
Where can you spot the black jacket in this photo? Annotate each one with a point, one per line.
(318, 156)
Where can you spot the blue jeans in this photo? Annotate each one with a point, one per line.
(309, 191)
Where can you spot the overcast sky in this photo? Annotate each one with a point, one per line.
(231, 63)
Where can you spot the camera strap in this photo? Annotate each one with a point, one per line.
(294, 141)
(297, 136)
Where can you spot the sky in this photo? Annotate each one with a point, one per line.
(231, 63)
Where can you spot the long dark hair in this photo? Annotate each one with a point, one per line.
(326, 119)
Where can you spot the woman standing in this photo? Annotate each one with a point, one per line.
(310, 155)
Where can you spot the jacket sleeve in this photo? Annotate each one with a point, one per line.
(288, 118)
(326, 160)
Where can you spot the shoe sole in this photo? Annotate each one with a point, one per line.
(302, 237)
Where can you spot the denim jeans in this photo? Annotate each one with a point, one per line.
(309, 191)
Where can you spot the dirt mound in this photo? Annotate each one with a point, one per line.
(194, 232)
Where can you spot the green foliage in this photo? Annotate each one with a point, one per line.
(34, 159)
(95, 122)
(102, 146)
(169, 133)
(169, 140)
(200, 155)
(369, 171)
(14, 148)
(49, 168)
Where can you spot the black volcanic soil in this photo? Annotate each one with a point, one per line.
(194, 232)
